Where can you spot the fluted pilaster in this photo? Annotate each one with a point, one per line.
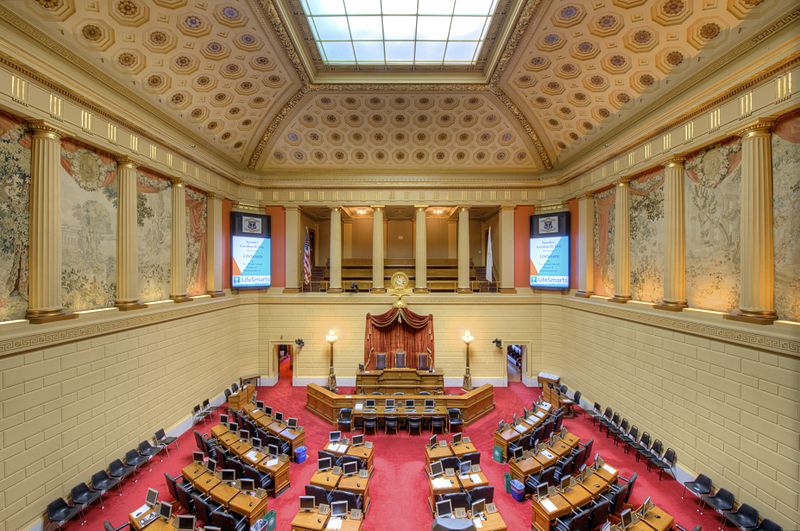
(214, 247)
(377, 250)
(336, 251)
(585, 258)
(293, 250)
(622, 244)
(675, 245)
(178, 287)
(127, 253)
(506, 235)
(421, 251)
(463, 250)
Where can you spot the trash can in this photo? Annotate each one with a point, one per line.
(507, 478)
(300, 454)
(497, 454)
(517, 490)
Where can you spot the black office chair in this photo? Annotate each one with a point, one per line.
(437, 424)
(485, 493)
(666, 463)
(643, 446)
(545, 476)
(599, 514)
(103, 482)
(120, 471)
(261, 480)
(578, 521)
(594, 414)
(620, 430)
(108, 526)
(745, 517)
(449, 462)
(414, 424)
(59, 512)
(558, 420)
(237, 466)
(380, 361)
(353, 500)
(624, 483)
(629, 439)
(701, 486)
(172, 486)
(455, 419)
(234, 387)
(204, 509)
(457, 499)
(362, 464)
(149, 451)
(82, 497)
(345, 419)
(587, 454)
(228, 394)
(767, 525)
(162, 439)
(472, 457)
(422, 362)
(370, 424)
(230, 522)
(612, 426)
(185, 497)
(653, 453)
(390, 423)
(400, 360)
(722, 502)
(605, 419)
(323, 454)
(564, 468)
(616, 498)
(320, 495)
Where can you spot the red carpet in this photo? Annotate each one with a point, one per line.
(398, 488)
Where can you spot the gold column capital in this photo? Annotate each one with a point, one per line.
(126, 161)
(623, 182)
(421, 207)
(177, 182)
(45, 129)
(377, 207)
(677, 160)
(761, 126)
(508, 207)
(587, 195)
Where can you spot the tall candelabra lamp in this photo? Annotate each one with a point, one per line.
(331, 338)
(467, 339)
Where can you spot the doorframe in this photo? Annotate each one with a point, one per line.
(525, 359)
(274, 362)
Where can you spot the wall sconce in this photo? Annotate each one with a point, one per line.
(497, 342)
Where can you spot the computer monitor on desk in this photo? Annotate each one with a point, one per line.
(268, 410)
(432, 441)
(626, 518)
(369, 403)
(457, 438)
(185, 522)
(152, 497)
(324, 464)
(233, 427)
(350, 468)
(465, 467)
(244, 434)
(358, 440)
(516, 453)
(292, 423)
(278, 416)
(273, 450)
(436, 469)
(430, 403)
(444, 508)
(334, 436)
(211, 464)
(390, 403)
(478, 508)
(228, 475)
(198, 457)
(223, 419)
(165, 511)
(339, 509)
(410, 404)
(260, 404)
(247, 484)
(541, 490)
(565, 482)
(306, 504)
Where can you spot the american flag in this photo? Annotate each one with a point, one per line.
(307, 261)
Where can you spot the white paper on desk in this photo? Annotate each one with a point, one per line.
(251, 455)
(441, 483)
(520, 428)
(334, 523)
(609, 469)
(545, 406)
(547, 504)
(272, 462)
(475, 478)
(477, 522)
(140, 511)
(547, 454)
(463, 478)
(540, 414)
(359, 407)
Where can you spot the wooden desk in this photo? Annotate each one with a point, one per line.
(577, 495)
(364, 453)
(356, 485)
(658, 519)
(296, 438)
(504, 438)
(433, 491)
(279, 472)
(205, 482)
(218, 430)
(520, 470)
(227, 438)
(238, 501)
(193, 470)
(312, 521)
(468, 484)
(156, 525)
(463, 448)
(241, 397)
(473, 404)
(493, 522)
(337, 452)
(240, 448)
(436, 453)
(397, 380)
(251, 507)
(223, 494)
(326, 479)
(542, 515)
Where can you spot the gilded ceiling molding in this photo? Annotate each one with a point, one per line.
(526, 125)
(275, 123)
(531, 8)
(265, 9)
(34, 33)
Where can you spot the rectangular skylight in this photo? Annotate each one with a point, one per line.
(399, 32)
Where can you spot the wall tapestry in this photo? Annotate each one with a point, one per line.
(604, 242)
(154, 235)
(196, 227)
(647, 237)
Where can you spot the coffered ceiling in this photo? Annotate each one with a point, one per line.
(235, 74)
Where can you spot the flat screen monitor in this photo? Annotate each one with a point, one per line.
(564, 483)
(444, 508)
(244, 434)
(549, 251)
(278, 416)
(334, 436)
(516, 453)
(255, 441)
(165, 511)
(339, 508)
(198, 457)
(410, 404)
(152, 497)
(478, 508)
(186, 522)
(233, 427)
(436, 469)
(369, 403)
(389, 403)
(247, 484)
(357, 440)
(432, 441)
(324, 463)
(251, 250)
(272, 450)
(268, 411)
(228, 474)
(292, 423)
(430, 403)
(211, 464)
(465, 467)
(350, 468)
(646, 505)
(223, 419)
(541, 490)
(456, 438)
(307, 503)
(259, 404)
(626, 518)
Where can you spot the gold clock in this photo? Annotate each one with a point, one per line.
(399, 281)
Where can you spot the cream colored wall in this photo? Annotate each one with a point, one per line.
(437, 238)
(399, 238)
(69, 410)
(359, 245)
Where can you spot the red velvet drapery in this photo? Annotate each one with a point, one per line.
(398, 329)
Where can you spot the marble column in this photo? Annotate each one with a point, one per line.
(127, 254)
(336, 251)
(757, 300)
(44, 253)
(622, 244)
(178, 288)
(463, 251)
(675, 245)
(214, 247)
(377, 250)
(585, 258)
(293, 250)
(506, 237)
(421, 250)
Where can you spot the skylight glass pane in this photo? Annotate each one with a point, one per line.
(460, 52)
(365, 28)
(399, 52)
(474, 7)
(400, 7)
(369, 51)
(399, 28)
(467, 28)
(399, 31)
(432, 28)
(332, 28)
(338, 52)
(323, 7)
(430, 51)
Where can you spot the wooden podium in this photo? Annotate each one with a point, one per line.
(408, 381)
